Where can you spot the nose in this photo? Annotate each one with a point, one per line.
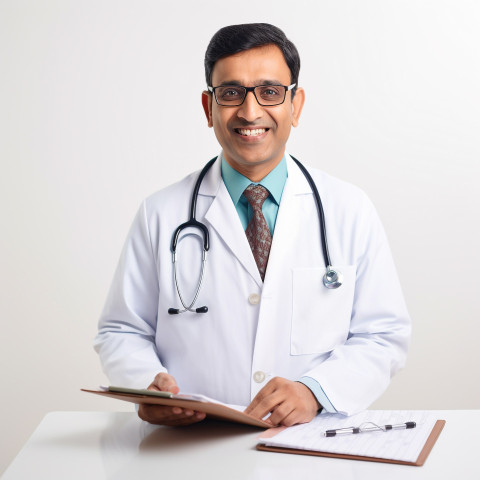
(250, 110)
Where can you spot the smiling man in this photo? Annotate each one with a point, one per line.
(274, 332)
(253, 137)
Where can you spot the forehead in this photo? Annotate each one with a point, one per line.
(252, 67)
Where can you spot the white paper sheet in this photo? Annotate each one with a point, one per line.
(403, 445)
(198, 397)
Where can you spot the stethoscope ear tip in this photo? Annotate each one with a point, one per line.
(175, 311)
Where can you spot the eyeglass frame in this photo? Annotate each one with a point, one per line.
(251, 89)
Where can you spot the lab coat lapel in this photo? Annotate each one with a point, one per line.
(223, 217)
(289, 219)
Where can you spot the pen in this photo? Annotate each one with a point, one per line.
(372, 428)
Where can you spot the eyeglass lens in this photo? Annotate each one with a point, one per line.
(265, 95)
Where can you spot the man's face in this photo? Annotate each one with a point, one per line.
(257, 153)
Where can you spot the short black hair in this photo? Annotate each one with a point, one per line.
(238, 38)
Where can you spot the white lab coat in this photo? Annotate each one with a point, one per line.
(351, 340)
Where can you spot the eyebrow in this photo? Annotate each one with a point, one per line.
(257, 83)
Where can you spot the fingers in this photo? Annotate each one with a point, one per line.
(163, 415)
(288, 402)
(285, 414)
(265, 401)
(171, 416)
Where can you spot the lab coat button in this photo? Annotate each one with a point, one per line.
(254, 299)
(259, 376)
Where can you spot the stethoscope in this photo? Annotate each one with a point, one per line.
(332, 278)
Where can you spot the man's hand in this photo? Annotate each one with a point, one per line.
(289, 403)
(162, 415)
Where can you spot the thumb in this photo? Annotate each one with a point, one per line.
(165, 383)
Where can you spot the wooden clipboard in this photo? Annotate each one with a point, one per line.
(213, 410)
(437, 429)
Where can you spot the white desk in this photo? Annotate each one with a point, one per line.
(104, 445)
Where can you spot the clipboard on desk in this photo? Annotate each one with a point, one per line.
(213, 408)
(365, 446)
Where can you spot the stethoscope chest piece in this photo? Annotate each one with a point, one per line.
(332, 278)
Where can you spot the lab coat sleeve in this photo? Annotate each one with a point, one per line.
(357, 372)
(126, 336)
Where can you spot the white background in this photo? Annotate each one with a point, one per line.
(100, 106)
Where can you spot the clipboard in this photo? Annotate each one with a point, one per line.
(427, 448)
(217, 411)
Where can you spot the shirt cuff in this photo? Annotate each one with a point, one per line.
(320, 395)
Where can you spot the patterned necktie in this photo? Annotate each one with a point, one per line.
(258, 234)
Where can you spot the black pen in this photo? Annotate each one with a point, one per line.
(365, 429)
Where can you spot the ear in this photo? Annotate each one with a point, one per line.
(297, 105)
(207, 106)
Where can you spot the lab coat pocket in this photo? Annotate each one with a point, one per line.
(320, 316)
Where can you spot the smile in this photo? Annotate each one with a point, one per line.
(248, 132)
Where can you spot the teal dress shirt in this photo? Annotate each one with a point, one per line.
(274, 182)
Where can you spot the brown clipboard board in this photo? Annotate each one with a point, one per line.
(427, 448)
(213, 410)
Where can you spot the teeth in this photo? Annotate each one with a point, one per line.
(250, 132)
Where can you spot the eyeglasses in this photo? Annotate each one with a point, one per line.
(266, 95)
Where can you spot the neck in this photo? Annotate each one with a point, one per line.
(254, 172)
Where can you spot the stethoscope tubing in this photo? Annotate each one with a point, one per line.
(331, 280)
(321, 213)
(199, 286)
(192, 221)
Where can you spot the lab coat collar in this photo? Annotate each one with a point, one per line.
(212, 181)
(298, 184)
(223, 217)
(287, 225)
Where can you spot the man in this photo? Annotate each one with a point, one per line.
(273, 338)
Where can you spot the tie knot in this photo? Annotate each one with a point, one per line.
(256, 195)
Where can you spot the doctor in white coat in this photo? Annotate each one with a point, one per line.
(286, 345)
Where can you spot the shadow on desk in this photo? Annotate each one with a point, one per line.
(129, 445)
(188, 437)
(206, 450)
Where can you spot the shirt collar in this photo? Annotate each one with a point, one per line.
(236, 183)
